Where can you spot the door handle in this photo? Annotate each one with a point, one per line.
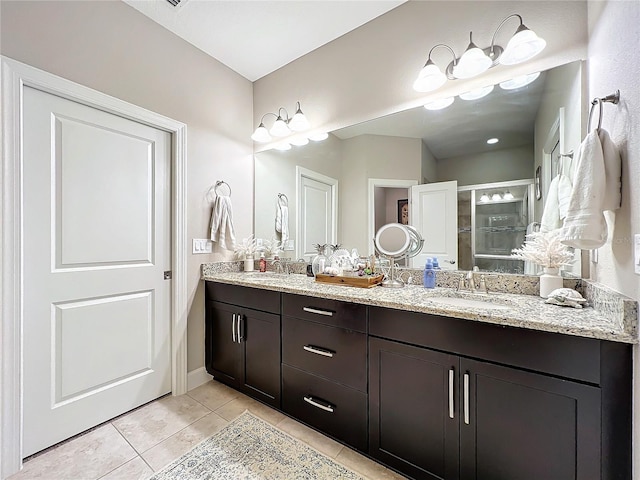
(317, 311)
(451, 377)
(318, 350)
(233, 328)
(466, 398)
(312, 401)
(240, 327)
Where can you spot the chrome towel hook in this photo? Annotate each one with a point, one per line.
(613, 98)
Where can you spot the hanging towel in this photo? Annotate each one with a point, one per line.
(557, 204)
(612, 172)
(282, 220)
(585, 226)
(221, 225)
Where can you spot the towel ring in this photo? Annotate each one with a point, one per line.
(283, 198)
(219, 183)
(613, 98)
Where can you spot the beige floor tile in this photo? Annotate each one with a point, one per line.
(361, 464)
(213, 394)
(153, 423)
(308, 435)
(238, 405)
(135, 469)
(89, 456)
(183, 441)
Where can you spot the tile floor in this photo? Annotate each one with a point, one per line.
(140, 442)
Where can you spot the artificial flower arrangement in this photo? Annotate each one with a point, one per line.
(271, 248)
(544, 249)
(246, 249)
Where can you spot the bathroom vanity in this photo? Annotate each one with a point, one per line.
(507, 387)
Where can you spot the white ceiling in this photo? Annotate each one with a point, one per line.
(254, 38)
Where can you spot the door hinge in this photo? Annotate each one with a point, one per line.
(167, 275)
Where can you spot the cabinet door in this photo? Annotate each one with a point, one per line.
(414, 419)
(223, 351)
(260, 336)
(527, 426)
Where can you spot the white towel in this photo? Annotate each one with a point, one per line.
(585, 226)
(557, 204)
(221, 225)
(282, 221)
(612, 172)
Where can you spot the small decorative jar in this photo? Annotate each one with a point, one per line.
(550, 281)
(248, 263)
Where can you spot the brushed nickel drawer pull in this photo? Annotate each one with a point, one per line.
(466, 398)
(451, 375)
(318, 351)
(319, 312)
(327, 408)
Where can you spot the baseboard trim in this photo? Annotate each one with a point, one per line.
(197, 377)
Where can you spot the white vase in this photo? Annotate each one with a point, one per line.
(549, 281)
(248, 263)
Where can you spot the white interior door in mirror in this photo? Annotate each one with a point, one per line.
(434, 213)
(97, 337)
(317, 220)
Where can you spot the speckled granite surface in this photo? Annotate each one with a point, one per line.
(611, 316)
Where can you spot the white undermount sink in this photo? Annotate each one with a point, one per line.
(469, 303)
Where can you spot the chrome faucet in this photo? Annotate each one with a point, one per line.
(471, 283)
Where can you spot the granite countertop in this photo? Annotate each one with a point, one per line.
(524, 311)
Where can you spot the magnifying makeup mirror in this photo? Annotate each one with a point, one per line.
(394, 241)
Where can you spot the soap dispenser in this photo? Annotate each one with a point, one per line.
(429, 276)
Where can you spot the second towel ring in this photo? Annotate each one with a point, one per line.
(613, 98)
(219, 183)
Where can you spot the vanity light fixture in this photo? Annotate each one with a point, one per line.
(283, 146)
(496, 197)
(477, 93)
(484, 197)
(318, 137)
(282, 126)
(508, 195)
(519, 82)
(439, 104)
(493, 141)
(299, 141)
(523, 45)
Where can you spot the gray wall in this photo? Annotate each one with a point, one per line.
(113, 48)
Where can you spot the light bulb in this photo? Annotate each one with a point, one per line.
(473, 62)
(318, 137)
(519, 82)
(261, 134)
(439, 104)
(429, 78)
(524, 45)
(280, 128)
(477, 93)
(299, 141)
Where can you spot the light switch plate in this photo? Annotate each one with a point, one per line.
(202, 245)
(636, 252)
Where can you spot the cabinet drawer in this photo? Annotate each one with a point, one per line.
(256, 298)
(334, 409)
(351, 316)
(335, 353)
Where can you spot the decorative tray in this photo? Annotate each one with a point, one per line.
(366, 281)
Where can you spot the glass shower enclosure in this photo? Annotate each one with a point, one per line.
(492, 220)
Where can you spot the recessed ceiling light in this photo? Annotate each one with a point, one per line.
(493, 140)
(439, 104)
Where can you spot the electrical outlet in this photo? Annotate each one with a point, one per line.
(636, 252)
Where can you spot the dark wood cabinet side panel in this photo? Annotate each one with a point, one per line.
(255, 298)
(352, 316)
(561, 355)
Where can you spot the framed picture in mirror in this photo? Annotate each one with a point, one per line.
(403, 211)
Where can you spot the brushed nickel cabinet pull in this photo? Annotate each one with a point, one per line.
(233, 328)
(318, 351)
(327, 408)
(239, 326)
(451, 377)
(466, 398)
(318, 312)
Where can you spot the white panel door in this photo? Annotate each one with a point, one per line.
(97, 337)
(434, 213)
(317, 211)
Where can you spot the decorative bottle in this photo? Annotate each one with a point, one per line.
(429, 275)
(263, 263)
(319, 262)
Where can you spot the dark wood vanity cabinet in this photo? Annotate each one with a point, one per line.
(553, 417)
(242, 345)
(324, 366)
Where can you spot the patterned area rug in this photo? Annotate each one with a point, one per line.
(251, 449)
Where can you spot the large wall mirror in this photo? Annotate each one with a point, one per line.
(370, 170)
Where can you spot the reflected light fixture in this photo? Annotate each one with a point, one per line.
(477, 93)
(523, 45)
(508, 195)
(519, 82)
(439, 104)
(493, 141)
(283, 146)
(484, 197)
(299, 141)
(496, 197)
(282, 126)
(318, 137)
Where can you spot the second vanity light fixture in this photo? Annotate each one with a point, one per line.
(282, 126)
(524, 45)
